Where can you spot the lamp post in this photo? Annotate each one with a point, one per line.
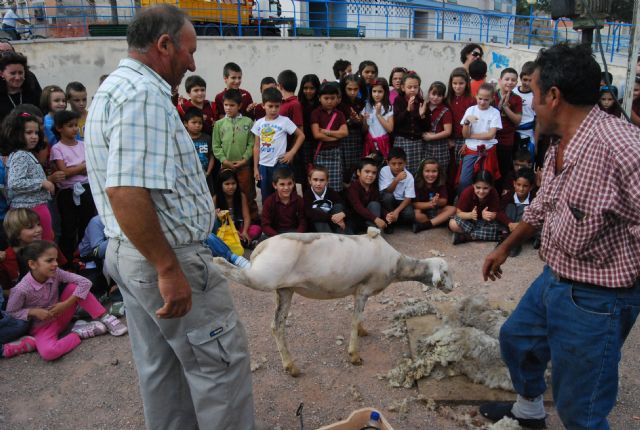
(531, 4)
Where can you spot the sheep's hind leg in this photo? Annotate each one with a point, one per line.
(356, 328)
(283, 303)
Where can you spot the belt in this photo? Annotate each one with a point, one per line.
(565, 280)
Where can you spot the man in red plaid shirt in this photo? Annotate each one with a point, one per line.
(579, 311)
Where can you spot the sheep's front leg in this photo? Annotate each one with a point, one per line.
(356, 328)
(283, 303)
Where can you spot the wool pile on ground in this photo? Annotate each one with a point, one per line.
(465, 344)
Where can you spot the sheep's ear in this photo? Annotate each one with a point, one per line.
(373, 232)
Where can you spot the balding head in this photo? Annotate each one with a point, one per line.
(149, 24)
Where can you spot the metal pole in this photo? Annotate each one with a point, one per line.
(530, 26)
(443, 5)
(634, 44)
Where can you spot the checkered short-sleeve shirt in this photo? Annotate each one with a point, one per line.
(590, 211)
(134, 137)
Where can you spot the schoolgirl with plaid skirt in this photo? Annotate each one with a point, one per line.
(478, 215)
(410, 120)
(351, 106)
(459, 99)
(378, 119)
(329, 128)
(437, 136)
(308, 96)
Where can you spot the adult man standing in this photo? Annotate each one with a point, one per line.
(579, 311)
(189, 348)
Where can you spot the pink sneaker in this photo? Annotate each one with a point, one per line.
(114, 325)
(20, 346)
(88, 329)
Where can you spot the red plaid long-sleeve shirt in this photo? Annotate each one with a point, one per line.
(590, 210)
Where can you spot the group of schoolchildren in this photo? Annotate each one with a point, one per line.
(52, 240)
(366, 153)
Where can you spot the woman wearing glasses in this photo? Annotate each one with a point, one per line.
(470, 53)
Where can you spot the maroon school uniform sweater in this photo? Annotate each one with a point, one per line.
(278, 217)
(506, 135)
(359, 198)
(459, 106)
(468, 200)
(322, 118)
(246, 101)
(408, 124)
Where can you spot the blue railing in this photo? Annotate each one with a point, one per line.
(327, 18)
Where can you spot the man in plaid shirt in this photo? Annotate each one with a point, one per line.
(188, 344)
(579, 311)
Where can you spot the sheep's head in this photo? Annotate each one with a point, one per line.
(440, 275)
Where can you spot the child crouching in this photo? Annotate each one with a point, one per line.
(36, 298)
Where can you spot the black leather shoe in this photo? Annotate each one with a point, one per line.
(496, 411)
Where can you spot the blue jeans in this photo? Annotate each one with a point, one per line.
(11, 328)
(581, 329)
(266, 179)
(466, 172)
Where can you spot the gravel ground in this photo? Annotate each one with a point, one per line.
(95, 386)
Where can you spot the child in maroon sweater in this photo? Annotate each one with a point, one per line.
(478, 215)
(323, 206)
(364, 198)
(283, 211)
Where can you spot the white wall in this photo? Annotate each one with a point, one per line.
(85, 59)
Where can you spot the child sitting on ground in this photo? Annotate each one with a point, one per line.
(232, 74)
(37, 298)
(430, 205)
(364, 198)
(23, 227)
(478, 215)
(13, 335)
(283, 211)
(229, 196)
(514, 203)
(397, 188)
(323, 206)
(270, 148)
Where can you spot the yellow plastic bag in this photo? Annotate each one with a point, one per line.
(228, 234)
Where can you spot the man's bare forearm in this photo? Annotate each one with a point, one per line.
(135, 212)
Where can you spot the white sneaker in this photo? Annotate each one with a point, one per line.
(114, 325)
(88, 329)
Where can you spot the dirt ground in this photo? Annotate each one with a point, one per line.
(95, 386)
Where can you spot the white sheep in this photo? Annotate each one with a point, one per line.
(329, 266)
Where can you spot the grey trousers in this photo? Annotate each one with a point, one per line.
(194, 371)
